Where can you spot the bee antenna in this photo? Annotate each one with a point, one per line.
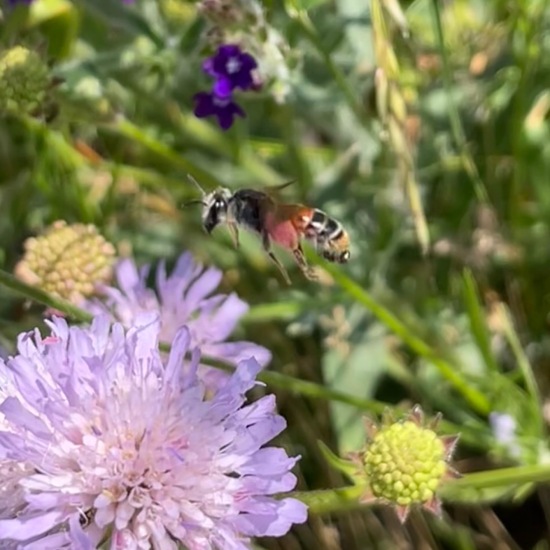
(283, 185)
(192, 202)
(197, 185)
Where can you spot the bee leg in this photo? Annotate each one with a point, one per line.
(267, 247)
(306, 269)
(281, 267)
(233, 230)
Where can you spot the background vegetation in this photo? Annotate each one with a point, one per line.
(428, 138)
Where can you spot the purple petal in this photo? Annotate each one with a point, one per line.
(228, 50)
(223, 87)
(78, 537)
(248, 62)
(127, 275)
(204, 105)
(257, 435)
(269, 459)
(208, 66)
(236, 352)
(225, 116)
(270, 518)
(14, 411)
(255, 485)
(243, 81)
(222, 321)
(203, 286)
(27, 527)
(178, 349)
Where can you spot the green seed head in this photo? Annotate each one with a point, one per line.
(67, 260)
(405, 463)
(24, 80)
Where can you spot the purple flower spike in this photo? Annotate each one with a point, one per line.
(209, 104)
(231, 68)
(104, 443)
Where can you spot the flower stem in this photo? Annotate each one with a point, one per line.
(42, 297)
(346, 498)
(449, 370)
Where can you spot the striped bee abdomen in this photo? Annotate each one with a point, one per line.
(331, 239)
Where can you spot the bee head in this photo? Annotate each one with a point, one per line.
(214, 210)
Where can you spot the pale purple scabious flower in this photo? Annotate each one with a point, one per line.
(102, 441)
(183, 298)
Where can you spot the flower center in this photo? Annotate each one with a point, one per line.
(219, 101)
(233, 65)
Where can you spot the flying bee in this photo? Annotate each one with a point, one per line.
(283, 224)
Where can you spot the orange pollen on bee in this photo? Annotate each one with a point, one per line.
(302, 219)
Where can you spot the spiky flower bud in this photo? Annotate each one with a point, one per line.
(405, 463)
(67, 260)
(24, 80)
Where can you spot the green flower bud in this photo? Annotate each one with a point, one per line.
(405, 462)
(24, 80)
(67, 260)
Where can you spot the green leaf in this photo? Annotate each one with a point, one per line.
(447, 368)
(122, 18)
(308, 4)
(477, 320)
(357, 373)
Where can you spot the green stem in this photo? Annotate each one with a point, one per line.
(523, 364)
(457, 128)
(327, 501)
(347, 498)
(131, 131)
(248, 160)
(42, 297)
(451, 372)
(503, 477)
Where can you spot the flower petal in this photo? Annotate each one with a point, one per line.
(204, 105)
(270, 518)
(26, 527)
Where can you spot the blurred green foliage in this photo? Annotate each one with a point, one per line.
(460, 328)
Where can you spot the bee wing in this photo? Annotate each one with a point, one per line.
(281, 185)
